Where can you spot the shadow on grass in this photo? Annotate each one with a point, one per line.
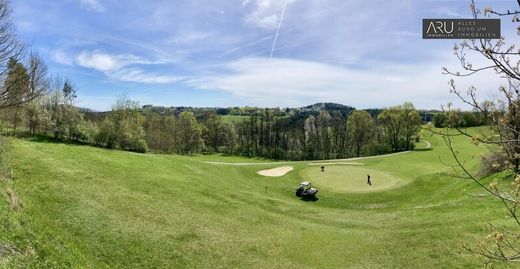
(49, 139)
(423, 149)
(309, 199)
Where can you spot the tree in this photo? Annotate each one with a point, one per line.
(122, 127)
(189, 134)
(107, 135)
(311, 137)
(399, 124)
(35, 115)
(229, 138)
(69, 92)
(58, 116)
(503, 115)
(125, 125)
(214, 131)
(360, 129)
(391, 123)
(18, 80)
(160, 131)
(55, 106)
(12, 51)
(411, 123)
(323, 128)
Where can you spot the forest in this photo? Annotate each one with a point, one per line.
(321, 131)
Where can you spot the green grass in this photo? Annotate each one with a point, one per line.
(96, 208)
(352, 179)
(234, 118)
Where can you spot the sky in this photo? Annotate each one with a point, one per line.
(217, 53)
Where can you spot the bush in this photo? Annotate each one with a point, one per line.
(493, 163)
(84, 131)
(140, 146)
(106, 136)
(379, 149)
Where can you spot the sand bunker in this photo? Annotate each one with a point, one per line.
(276, 172)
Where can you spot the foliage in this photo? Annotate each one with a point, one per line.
(122, 128)
(360, 127)
(398, 125)
(463, 119)
(189, 134)
(503, 115)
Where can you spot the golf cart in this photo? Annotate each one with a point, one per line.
(305, 189)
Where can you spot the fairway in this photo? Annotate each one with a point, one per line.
(351, 178)
(86, 207)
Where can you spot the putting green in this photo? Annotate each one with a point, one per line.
(351, 179)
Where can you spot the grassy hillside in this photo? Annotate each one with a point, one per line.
(96, 208)
(234, 118)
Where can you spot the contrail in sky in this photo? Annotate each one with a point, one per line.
(278, 30)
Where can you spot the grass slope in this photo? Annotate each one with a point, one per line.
(97, 208)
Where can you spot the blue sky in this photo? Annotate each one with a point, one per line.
(217, 53)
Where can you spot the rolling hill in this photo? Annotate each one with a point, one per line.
(89, 207)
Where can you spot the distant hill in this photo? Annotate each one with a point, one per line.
(329, 107)
(298, 114)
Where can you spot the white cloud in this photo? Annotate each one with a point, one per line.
(137, 75)
(264, 13)
(122, 67)
(104, 62)
(280, 82)
(92, 5)
(61, 57)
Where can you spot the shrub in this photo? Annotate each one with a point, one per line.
(493, 163)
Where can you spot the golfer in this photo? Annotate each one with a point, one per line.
(368, 180)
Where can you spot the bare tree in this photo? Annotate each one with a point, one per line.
(503, 115)
(12, 49)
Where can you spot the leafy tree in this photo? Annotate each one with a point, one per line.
(411, 124)
(391, 125)
(213, 132)
(126, 123)
(107, 135)
(36, 116)
(18, 81)
(229, 137)
(160, 131)
(360, 129)
(399, 124)
(189, 134)
(311, 137)
(323, 132)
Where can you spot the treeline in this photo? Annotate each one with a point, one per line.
(463, 119)
(320, 131)
(315, 132)
(272, 134)
(328, 135)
